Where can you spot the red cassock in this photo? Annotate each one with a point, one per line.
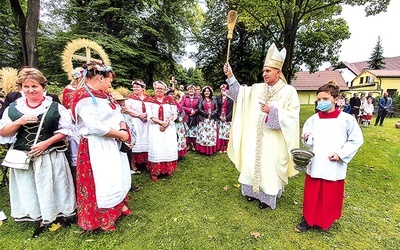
(323, 201)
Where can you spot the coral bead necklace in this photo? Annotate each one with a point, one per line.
(34, 106)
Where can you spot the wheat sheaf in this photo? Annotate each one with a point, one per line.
(76, 45)
(9, 80)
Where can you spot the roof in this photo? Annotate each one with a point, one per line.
(303, 80)
(391, 63)
(385, 73)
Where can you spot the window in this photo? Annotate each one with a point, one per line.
(361, 80)
(391, 92)
(369, 79)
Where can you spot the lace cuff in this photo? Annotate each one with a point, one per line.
(272, 120)
(234, 87)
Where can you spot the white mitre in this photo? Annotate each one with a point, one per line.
(275, 59)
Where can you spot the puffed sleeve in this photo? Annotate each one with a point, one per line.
(65, 125)
(91, 120)
(3, 122)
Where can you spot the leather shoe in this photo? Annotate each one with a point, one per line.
(262, 205)
(135, 188)
(302, 227)
(250, 199)
(72, 220)
(38, 231)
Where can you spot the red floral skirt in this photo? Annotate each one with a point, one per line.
(222, 145)
(366, 117)
(159, 168)
(207, 150)
(139, 158)
(182, 152)
(90, 217)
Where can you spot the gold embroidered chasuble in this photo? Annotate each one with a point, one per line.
(273, 154)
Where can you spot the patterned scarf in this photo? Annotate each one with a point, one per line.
(165, 100)
(146, 99)
(88, 92)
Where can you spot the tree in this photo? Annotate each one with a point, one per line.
(376, 60)
(211, 40)
(211, 55)
(10, 52)
(195, 77)
(27, 26)
(283, 21)
(190, 76)
(144, 39)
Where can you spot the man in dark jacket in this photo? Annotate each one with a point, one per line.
(384, 105)
(355, 104)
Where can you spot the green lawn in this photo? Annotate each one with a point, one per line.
(201, 207)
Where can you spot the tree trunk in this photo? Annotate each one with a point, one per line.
(290, 33)
(19, 21)
(31, 27)
(27, 27)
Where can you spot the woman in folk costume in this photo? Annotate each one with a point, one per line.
(45, 191)
(179, 124)
(70, 89)
(138, 105)
(334, 137)
(198, 91)
(73, 140)
(102, 171)
(163, 149)
(225, 107)
(265, 128)
(363, 101)
(189, 104)
(368, 109)
(207, 129)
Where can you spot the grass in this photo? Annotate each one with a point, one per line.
(201, 207)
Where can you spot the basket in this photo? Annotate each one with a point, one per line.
(301, 157)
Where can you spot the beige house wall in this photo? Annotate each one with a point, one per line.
(390, 83)
(307, 97)
(378, 85)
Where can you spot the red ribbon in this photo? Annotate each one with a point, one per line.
(161, 113)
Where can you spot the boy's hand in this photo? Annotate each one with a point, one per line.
(334, 157)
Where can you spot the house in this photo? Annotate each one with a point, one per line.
(377, 81)
(352, 78)
(307, 84)
(350, 71)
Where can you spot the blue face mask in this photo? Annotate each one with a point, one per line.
(324, 105)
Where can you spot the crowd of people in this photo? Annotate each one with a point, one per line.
(85, 148)
(90, 144)
(362, 107)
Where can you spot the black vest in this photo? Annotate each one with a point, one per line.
(26, 133)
